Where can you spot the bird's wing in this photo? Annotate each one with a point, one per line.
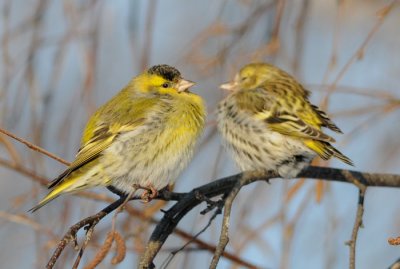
(295, 120)
(292, 125)
(93, 148)
(326, 121)
(104, 128)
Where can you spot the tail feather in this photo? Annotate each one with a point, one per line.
(327, 151)
(62, 187)
(50, 197)
(342, 157)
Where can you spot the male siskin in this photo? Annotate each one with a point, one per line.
(140, 139)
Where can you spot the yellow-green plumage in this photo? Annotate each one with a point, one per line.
(268, 122)
(144, 136)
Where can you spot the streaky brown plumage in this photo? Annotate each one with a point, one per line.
(270, 109)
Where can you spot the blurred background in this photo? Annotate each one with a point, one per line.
(60, 60)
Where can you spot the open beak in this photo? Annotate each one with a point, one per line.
(184, 85)
(230, 86)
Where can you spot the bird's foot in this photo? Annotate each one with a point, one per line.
(149, 192)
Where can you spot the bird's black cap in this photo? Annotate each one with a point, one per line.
(168, 72)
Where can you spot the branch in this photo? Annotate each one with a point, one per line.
(229, 187)
(356, 227)
(34, 147)
(130, 210)
(224, 236)
(89, 223)
(225, 185)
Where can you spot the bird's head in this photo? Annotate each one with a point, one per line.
(162, 79)
(252, 76)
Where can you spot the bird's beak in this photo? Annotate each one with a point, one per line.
(230, 86)
(184, 85)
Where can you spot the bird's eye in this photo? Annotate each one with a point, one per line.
(165, 85)
(244, 78)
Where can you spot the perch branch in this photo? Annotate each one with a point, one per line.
(187, 201)
(222, 186)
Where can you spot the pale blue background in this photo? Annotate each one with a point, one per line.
(321, 231)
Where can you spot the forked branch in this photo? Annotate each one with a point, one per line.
(227, 187)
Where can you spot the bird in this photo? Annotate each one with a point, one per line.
(267, 122)
(139, 141)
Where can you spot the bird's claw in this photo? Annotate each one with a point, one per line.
(149, 193)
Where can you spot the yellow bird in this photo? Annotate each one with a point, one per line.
(267, 122)
(140, 140)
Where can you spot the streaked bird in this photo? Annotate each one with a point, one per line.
(268, 122)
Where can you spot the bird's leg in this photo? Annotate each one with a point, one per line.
(149, 192)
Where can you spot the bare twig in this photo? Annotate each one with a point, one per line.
(150, 18)
(218, 187)
(88, 222)
(382, 16)
(224, 236)
(34, 147)
(356, 227)
(174, 252)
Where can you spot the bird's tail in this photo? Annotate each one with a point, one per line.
(325, 150)
(63, 187)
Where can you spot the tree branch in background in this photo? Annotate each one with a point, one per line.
(34, 147)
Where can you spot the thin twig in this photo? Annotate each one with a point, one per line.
(224, 236)
(174, 252)
(356, 227)
(89, 222)
(109, 240)
(383, 14)
(148, 40)
(34, 147)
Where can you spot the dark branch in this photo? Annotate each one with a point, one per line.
(187, 201)
(184, 247)
(225, 185)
